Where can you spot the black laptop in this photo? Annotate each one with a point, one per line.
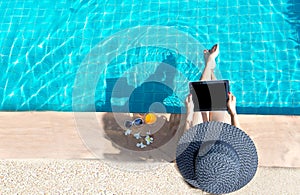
(210, 95)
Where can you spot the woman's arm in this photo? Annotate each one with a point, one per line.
(189, 112)
(231, 104)
(235, 121)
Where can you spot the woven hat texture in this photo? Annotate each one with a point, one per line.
(216, 157)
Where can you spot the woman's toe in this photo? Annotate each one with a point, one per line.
(206, 54)
(215, 51)
(213, 48)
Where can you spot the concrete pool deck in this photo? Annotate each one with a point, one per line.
(54, 135)
(45, 142)
(95, 177)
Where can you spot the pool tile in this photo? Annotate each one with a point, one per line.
(296, 110)
(222, 11)
(284, 86)
(254, 9)
(295, 76)
(296, 97)
(233, 19)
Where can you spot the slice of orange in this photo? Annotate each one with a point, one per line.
(150, 118)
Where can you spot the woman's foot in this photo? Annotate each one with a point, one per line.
(214, 51)
(206, 54)
(210, 56)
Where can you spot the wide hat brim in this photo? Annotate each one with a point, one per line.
(192, 140)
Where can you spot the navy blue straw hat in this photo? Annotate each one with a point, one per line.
(216, 157)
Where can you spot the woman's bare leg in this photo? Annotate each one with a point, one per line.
(221, 116)
(194, 118)
(213, 76)
(208, 74)
(210, 63)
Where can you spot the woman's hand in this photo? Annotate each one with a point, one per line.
(231, 104)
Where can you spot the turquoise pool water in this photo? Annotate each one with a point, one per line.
(134, 55)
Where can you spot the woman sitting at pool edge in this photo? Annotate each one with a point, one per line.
(194, 118)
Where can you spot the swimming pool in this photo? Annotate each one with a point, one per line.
(124, 55)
